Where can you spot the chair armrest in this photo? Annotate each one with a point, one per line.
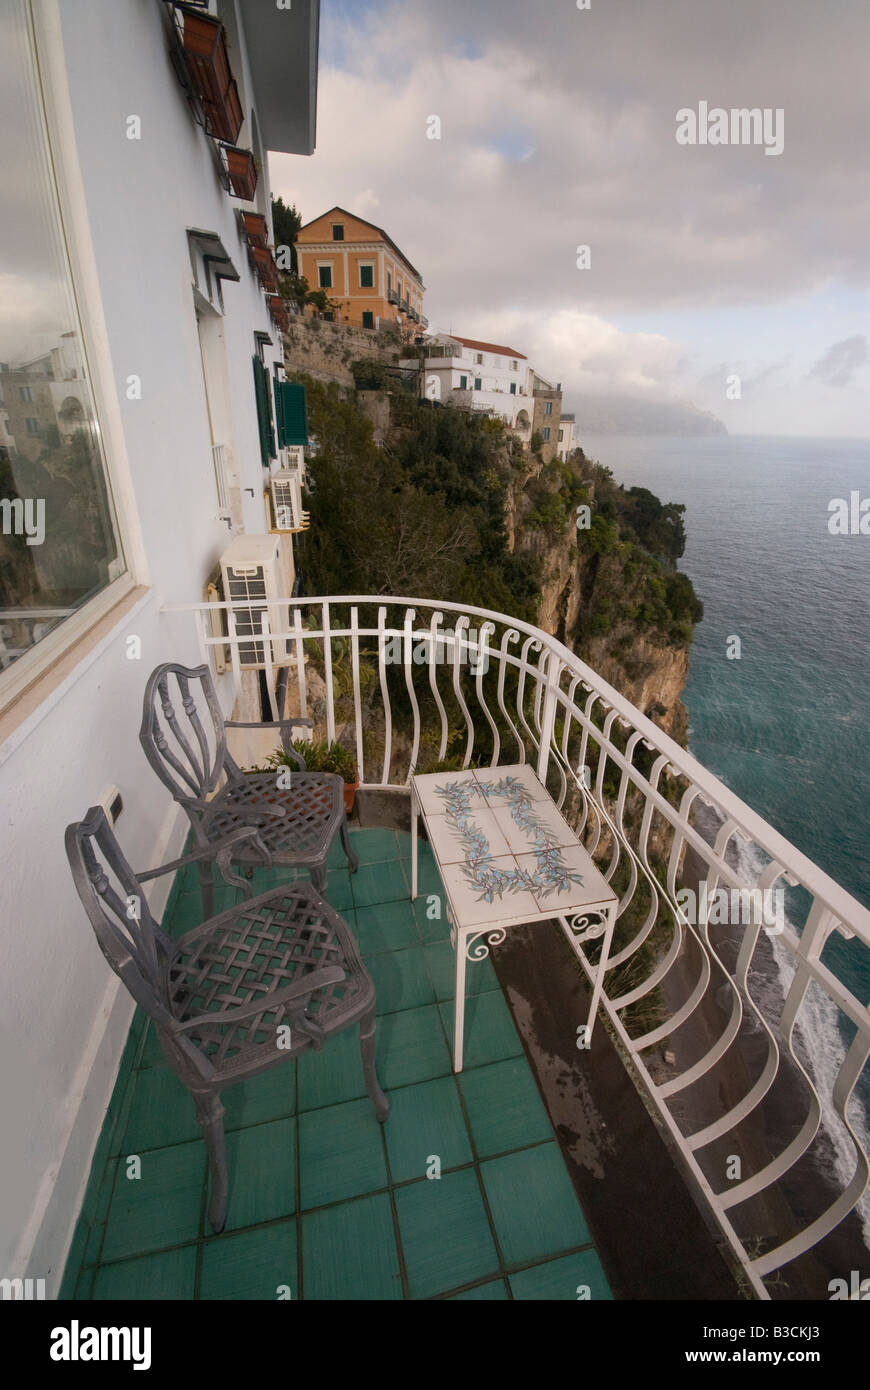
(306, 984)
(218, 850)
(285, 725)
(268, 723)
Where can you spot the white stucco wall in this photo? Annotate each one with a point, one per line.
(64, 1017)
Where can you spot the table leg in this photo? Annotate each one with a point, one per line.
(458, 938)
(414, 814)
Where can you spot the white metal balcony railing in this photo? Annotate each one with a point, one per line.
(655, 820)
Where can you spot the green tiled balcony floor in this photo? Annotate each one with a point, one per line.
(325, 1203)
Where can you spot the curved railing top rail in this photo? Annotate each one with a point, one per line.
(826, 889)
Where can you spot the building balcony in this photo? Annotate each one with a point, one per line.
(693, 1028)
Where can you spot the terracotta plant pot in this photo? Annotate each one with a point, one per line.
(350, 791)
(242, 172)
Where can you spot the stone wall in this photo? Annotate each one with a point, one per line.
(325, 350)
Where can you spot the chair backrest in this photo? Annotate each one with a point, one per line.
(183, 734)
(132, 942)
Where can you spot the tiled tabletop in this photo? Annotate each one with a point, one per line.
(505, 852)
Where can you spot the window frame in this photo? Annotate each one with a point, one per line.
(369, 266)
(338, 227)
(328, 267)
(67, 185)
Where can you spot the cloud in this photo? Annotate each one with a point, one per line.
(841, 361)
(558, 129)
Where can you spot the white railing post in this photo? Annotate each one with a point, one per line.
(548, 717)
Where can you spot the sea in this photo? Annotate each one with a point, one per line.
(786, 724)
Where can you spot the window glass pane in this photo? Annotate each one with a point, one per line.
(59, 543)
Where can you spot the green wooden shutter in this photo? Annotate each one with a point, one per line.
(264, 412)
(293, 413)
(279, 407)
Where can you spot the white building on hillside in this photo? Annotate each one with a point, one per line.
(483, 376)
(141, 373)
(566, 436)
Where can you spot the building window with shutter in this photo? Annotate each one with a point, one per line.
(338, 231)
(368, 319)
(463, 383)
(513, 388)
(324, 277)
(367, 277)
(478, 384)
(546, 432)
(264, 412)
(548, 408)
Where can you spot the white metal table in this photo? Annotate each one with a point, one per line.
(507, 856)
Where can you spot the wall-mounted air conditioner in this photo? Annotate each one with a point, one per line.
(287, 502)
(251, 575)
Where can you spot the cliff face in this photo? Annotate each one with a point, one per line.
(648, 667)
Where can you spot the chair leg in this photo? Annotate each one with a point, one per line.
(206, 888)
(367, 1048)
(210, 1114)
(318, 878)
(352, 859)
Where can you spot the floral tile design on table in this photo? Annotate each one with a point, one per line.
(551, 874)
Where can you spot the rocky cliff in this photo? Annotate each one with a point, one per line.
(603, 602)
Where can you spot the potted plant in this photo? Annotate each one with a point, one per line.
(322, 756)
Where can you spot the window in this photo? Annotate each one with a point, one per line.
(478, 358)
(463, 383)
(548, 407)
(561, 435)
(515, 366)
(546, 432)
(368, 318)
(367, 277)
(324, 277)
(60, 548)
(478, 384)
(264, 412)
(389, 283)
(338, 231)
(513, 388)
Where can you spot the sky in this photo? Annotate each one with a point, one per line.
(558, 129)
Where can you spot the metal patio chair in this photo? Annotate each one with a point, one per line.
(187, 748)
(266, 980)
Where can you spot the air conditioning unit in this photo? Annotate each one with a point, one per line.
(251, 575)
(287, 502)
